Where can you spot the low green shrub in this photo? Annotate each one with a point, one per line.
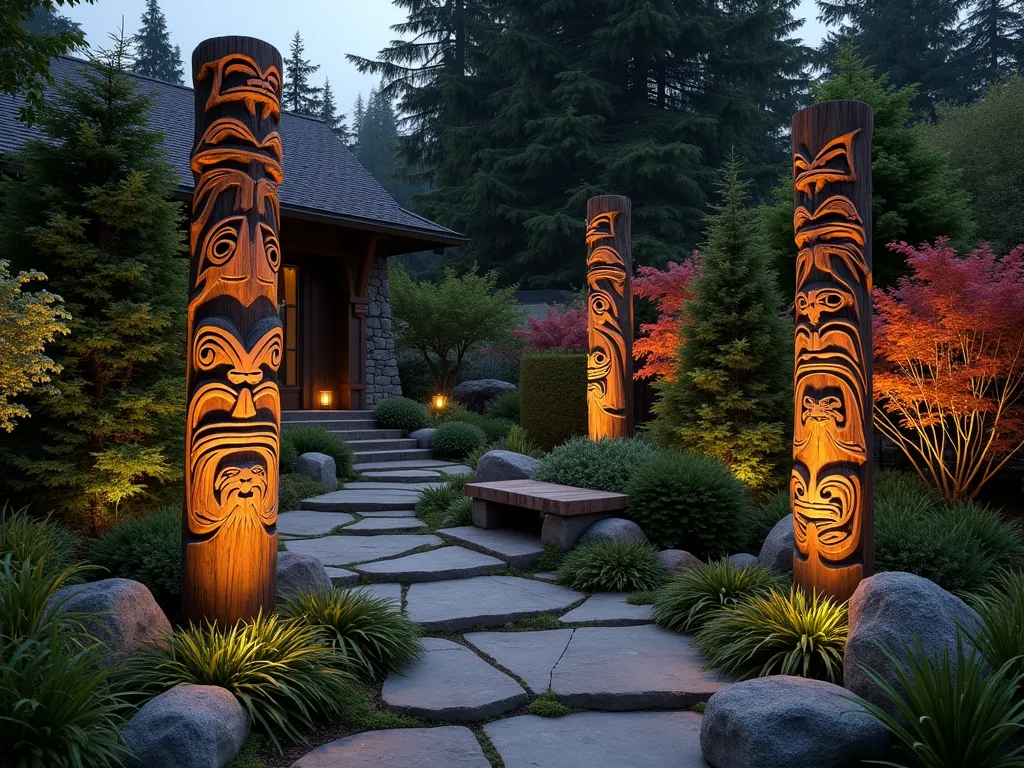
(777, 633)
(294, 488)
(452, 411)
(493, 429)
(606, 465)
(314, 439)
(693, 596)
(44, 540)
(400, 413)
(284, 671)
(548, 705)
(455, 440)
(1000, 633)
(506, 406)
(763, 518)
(613, 566)
(147, 549)
(289, 455)
(689, 501)
(553, 396)
(370, 633)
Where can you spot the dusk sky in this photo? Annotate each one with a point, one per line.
(330, 29)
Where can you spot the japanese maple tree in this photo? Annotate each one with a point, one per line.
(949, 372)
(659, 341)
(562, 328)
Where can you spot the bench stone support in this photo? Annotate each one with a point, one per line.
(564, 532)
(490, 514)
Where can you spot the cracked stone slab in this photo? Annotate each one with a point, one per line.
(529, 656)
(340, 577)
(436, 565)
(384, 591)
(404, 464)
(517, 548)
(352, 501)
(450, 746)
(303, 522)
(344, 550)
(488, 601)
(371, 526)
(609, 609)
(451, 683)
(599, 740)
(625, 668)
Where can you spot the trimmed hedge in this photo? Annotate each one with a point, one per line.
(553, 396)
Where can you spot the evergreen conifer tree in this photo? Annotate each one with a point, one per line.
(299, 94)
(93, 210)
(154, 56)
(731, 397)
(378, 140)
(993, 32)
(329, 113)
(358, 113)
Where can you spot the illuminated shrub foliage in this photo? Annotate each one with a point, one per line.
(606, 465)
(553, 396)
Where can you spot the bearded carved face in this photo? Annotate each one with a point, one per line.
(241, 491)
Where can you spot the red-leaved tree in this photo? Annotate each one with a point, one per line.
(949, 373)
(659, 342)
(563, 328)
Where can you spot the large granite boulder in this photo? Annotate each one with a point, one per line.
(777, 550)
(504, 465)
(889, 610)
(127, 617)
(613, 529)
(479, 395)
(424, 437)
(788, 722)
(297, 572)
(319, 467)
(189, 726)
(743, 560)
(678, 560)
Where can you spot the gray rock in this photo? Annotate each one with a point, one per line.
(517, 548)
(609, 609)
(448, 746)
(678, 560)
(504, 465)
(436, 565)
(129, 618)
(479, 395)
(451, 683)
(743, 560)
(344, 550)
(529, 655)
(302, 522)
(424, 437)
(788, 722)
(613, 529)
(319, 467)
(297, 572)
(889, 610)
(189, 726)
(777, 550)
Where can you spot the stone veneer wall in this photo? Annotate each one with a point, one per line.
(381, 365)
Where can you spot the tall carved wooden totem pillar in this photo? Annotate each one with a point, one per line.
(234, 335)
(831, 485)
(609, 317)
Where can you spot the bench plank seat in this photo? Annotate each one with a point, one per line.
(551, 498)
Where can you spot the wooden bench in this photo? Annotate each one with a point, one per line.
(568, 511)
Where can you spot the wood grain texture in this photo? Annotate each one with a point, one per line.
(564, 500)
(235, 342)
(610, 317)
(831, 484)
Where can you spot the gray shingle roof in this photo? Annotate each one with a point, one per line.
(321, 175)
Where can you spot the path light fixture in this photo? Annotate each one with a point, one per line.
(325, 399)
(439, 402)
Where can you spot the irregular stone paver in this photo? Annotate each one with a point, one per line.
(343, 550)
(342, 578)
(529, 655)
(517, 548)
(483, 600)
(413, 487)
(456, 469)
(436, 565)
(351, 501)
(386, 513)
(403, 475)
(373, 525)
(404, 464)
(599, 740)
(451, 683)
(548, 576)
(305, 523)
(610, 609)
(451, 746)
(384, 591)
(622, 668)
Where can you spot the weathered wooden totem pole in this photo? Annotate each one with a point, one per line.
(609, 317)
(831, 485)
(234, 336)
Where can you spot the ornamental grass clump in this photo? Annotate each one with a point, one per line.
(43, 541)
(613, 566)
(777, 633)
(372, 636)
(1000, 633)
(693, 596)
(436, 502)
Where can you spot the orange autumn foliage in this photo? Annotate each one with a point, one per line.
(659, 341)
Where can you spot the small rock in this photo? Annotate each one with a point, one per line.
(319, 467)
(613, 529)
(504, 465)
(479, 395)
(743, 560)
(424, 437)
(678, 560)
(128, 619)
(889, 610)
(297, 572)
(788, 722)
(189, 726)
(777, 550)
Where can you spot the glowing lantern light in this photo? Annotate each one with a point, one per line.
(325, 398)
(439, 402)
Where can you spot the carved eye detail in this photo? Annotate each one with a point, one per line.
(830, 403)
(222, 243)
(271, 247)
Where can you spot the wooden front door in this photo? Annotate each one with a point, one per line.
(289, 376)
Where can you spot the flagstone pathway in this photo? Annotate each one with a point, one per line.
(632, 682)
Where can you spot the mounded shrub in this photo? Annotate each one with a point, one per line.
(506, 406)
(294, 488)
(553, 396)
(613, 566)
(606, 465)
(313, 439)
(689, 501)
(400, 413)
(455, 440)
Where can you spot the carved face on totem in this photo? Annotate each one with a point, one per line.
(239, 78)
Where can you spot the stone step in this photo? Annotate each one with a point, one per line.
(390, 444)
(408, 454)
(290, 416)
(368, 500)
(371, 526)
(452, 746)
(517, 548)
(396, 464)
(609, 609)
(310, 523)
(342, 551)
(436, 565)
(366, 433)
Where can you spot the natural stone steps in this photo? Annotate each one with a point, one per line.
(435, 565)
(389, 444)
(404, 454)
(304, 522)
(355, 500)
(342, 551)
(364, 433)
(397, 464)
(372, 526)
(301, 416)
(517, 548)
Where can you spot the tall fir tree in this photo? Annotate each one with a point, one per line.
(377, 145)
(299, 94)
(154, 56)
(993, 42)
(329, 113)
(731, 395)
(358, 113)
(92, 208)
